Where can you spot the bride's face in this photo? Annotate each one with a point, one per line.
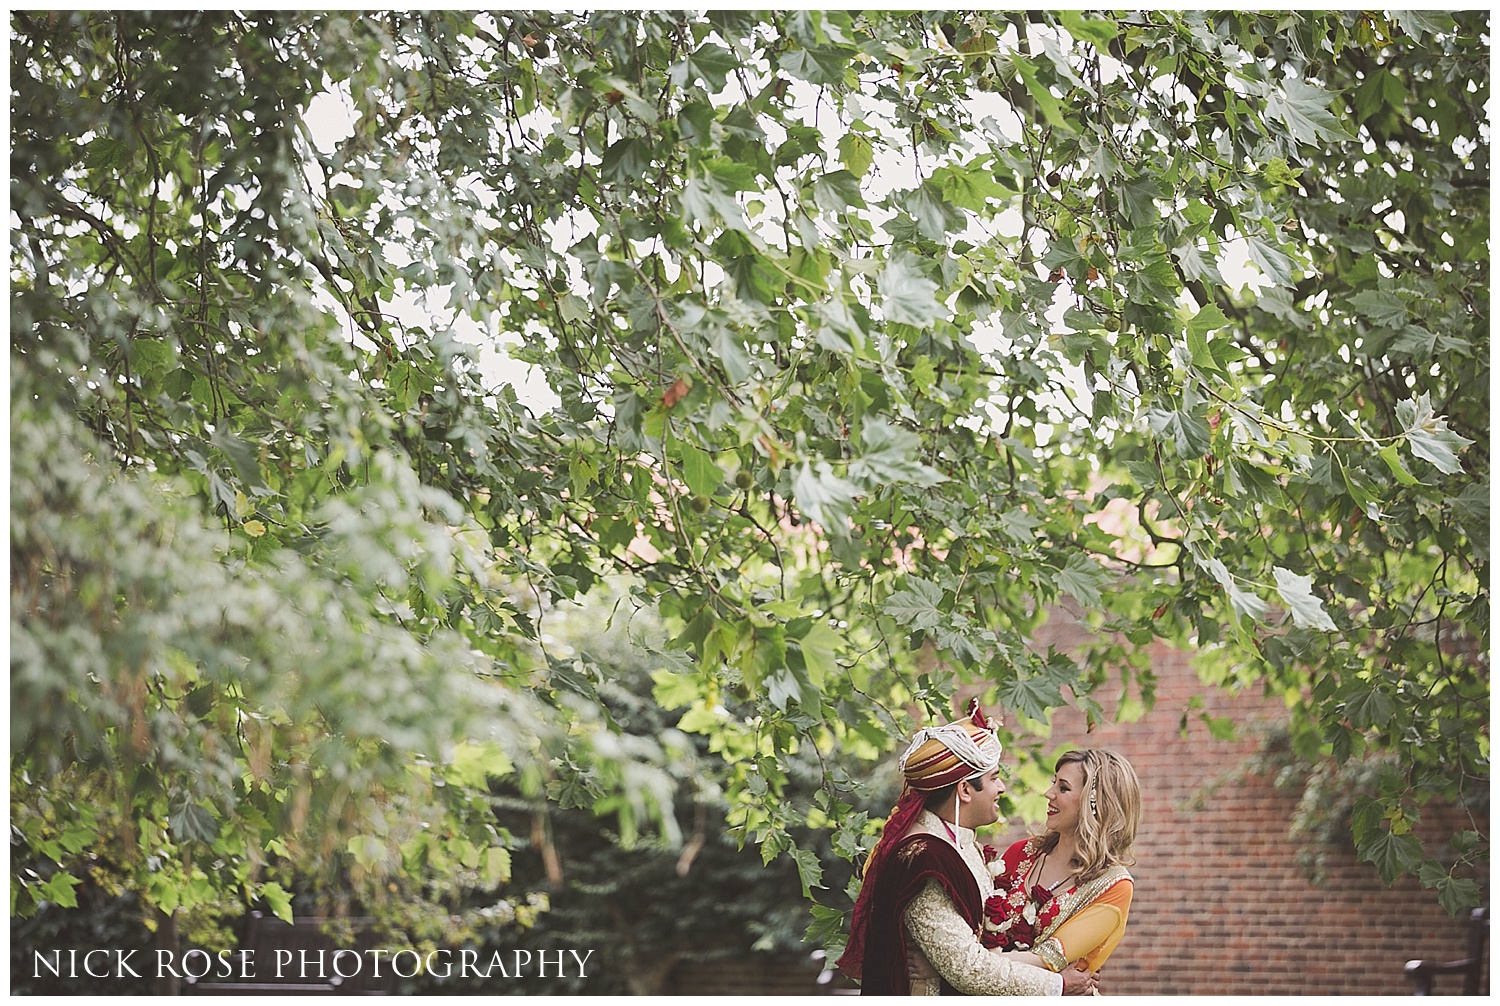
(1065, 799)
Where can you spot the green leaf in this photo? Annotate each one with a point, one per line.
(1187, 431)
(1051, 108)
(952, 637)
(887, 455)
(367, 850)
(1278, 172)
(495, 866)
(1464, 842)
(625, 161)
(782, 687)
(917, 606)
(836, 191)
(1200, 353)
(1414, 341)
(1296, 593)
(1366, 705)
(473, 763)
(823, 496)
(1422, 23)
(1458, 894)
(820, 647)
(58, 889)
(1392, 854)
(192, 822)
(1139, 196)
(242, 456)
(1303, 109)
(673, 690)
(809, 870)
(730, 175)
(1250, 481)
(699, 720)
(575, 676)
(934, 217)
(827, 924)
(1221, 728)
(1381, 89)
(856, 152)
(278, 899)
(1197, 262)
(149, 357)
(729, 349)
(1392, 458)
(970, 187)
(1428, 435)
(1270, 260)
(1082, 577)
(756, 279)
(712, 64)
(1209, 319)
(1032, 696)
(817, 64)
(1099, 31)
(77, 837)
(699, 470)
(1381, 308)
(1019, 525)
(1243, 602)
(695, 122)
(1365, 818)
(907, 295)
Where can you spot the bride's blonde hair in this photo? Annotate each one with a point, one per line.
(1108, 815)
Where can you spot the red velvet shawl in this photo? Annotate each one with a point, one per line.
(878, 940)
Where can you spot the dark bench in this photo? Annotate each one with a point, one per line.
(194, 987)
(1471, 967)
(267, 934)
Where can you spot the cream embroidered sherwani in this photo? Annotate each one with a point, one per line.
(951, 946)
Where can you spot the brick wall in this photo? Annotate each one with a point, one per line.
(1221, 905)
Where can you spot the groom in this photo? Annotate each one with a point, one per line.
(925, 884)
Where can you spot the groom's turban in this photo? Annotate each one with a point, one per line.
(939, 757)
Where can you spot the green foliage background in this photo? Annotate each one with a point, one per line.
(872, 336)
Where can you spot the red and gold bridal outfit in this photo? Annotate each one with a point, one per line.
(1081, 924)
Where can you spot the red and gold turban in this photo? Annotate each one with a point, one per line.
(942, 756)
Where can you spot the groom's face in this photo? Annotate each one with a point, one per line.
(983, 804)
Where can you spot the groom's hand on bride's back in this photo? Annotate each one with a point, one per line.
(918, 968)
(1077, 982)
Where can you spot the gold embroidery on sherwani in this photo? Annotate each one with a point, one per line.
(940, 933)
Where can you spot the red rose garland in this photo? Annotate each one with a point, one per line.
(1014, 916)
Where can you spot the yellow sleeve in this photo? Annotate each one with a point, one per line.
(1092, 935)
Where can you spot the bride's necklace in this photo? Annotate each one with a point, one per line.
(1049, 888)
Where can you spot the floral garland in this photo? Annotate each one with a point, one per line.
(1015, 915)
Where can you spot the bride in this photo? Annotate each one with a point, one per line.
(1063, 896)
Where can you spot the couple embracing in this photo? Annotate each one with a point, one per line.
(940, 914)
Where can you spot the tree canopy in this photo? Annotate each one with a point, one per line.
(873, 336)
